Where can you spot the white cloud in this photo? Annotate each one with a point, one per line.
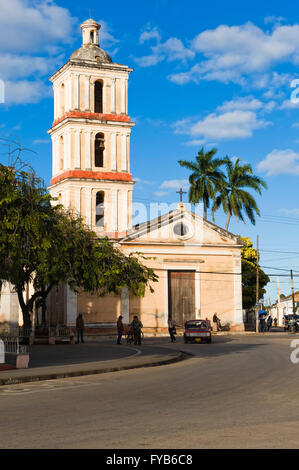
(232, 53)
(290, 211)
(26, 92)
(195, 142)
(237, 124)
(148, 34)
(39, 28)
(274, 19)
(170, 50)
(247, 103)
(20, 66)
(142, 181)
(175, 184)
(107, 39)
(160, 193)
(280, 162)
(41, 141)
(33, 25)
(288, 104)
(244, 103)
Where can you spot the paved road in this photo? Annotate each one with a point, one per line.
(236, 392)
(61, 354)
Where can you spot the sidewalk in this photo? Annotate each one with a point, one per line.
(77, 360)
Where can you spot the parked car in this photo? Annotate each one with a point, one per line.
(198, 331)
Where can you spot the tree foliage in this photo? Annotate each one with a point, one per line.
(42, 244)
(206, 177)
(233, 196)
(228, 190)
(249, 264)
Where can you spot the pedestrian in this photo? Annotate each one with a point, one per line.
(172, 329)
(136, 326)
(269, 322)
(120, 329)
(80, 328)
(262, 324)
(217, 321)
(275, 321)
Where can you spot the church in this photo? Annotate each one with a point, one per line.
(198, 263)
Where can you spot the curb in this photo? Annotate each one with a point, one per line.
(78, 373)
(246, 333)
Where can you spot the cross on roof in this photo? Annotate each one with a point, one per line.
(181, 192)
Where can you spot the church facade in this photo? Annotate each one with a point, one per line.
(198, 263)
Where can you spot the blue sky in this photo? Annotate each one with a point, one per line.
(205, 73)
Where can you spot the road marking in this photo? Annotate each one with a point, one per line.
(137, 352)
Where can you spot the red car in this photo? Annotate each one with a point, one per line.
(198, 331)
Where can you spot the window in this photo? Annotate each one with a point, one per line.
(92, 37)
(98, 97)
(180, 229)
(62, 99)
(99, 147)
(100, 209)
(61, 153)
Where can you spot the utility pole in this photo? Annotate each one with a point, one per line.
(292, 328)
(278, 302)
(257, 286)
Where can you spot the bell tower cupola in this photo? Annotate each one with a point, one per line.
(91, 137)
(90, 33)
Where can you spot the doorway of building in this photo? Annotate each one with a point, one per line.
(181, 296)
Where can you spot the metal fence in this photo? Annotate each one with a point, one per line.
(12, 345)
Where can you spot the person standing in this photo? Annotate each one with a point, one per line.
(217, 321)
(136, 325)
(172, 329)
(269, 323)
(262, 323)
(80, 328)
(120, 329)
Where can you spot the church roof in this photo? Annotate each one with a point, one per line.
(93, 53)
(181, 215)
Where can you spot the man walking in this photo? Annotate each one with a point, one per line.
(136, 325)
(80, 328)
(120, 329)
(172, 329)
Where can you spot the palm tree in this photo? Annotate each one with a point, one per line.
(206, 178)
(233, 198)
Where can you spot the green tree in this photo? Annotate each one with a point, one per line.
(43, 245)
(233, 196)
(206, 178)
(249, 263)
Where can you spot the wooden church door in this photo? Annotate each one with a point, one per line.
(181, 296)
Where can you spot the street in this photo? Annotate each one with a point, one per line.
(238, 392)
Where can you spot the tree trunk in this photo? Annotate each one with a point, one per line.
(205, 210)
(228, 220)
(25, 310)
(44, 310)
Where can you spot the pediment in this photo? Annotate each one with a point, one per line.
(180, 227)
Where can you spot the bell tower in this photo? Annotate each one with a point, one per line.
(91, 137)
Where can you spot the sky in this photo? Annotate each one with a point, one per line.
(213, 74)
